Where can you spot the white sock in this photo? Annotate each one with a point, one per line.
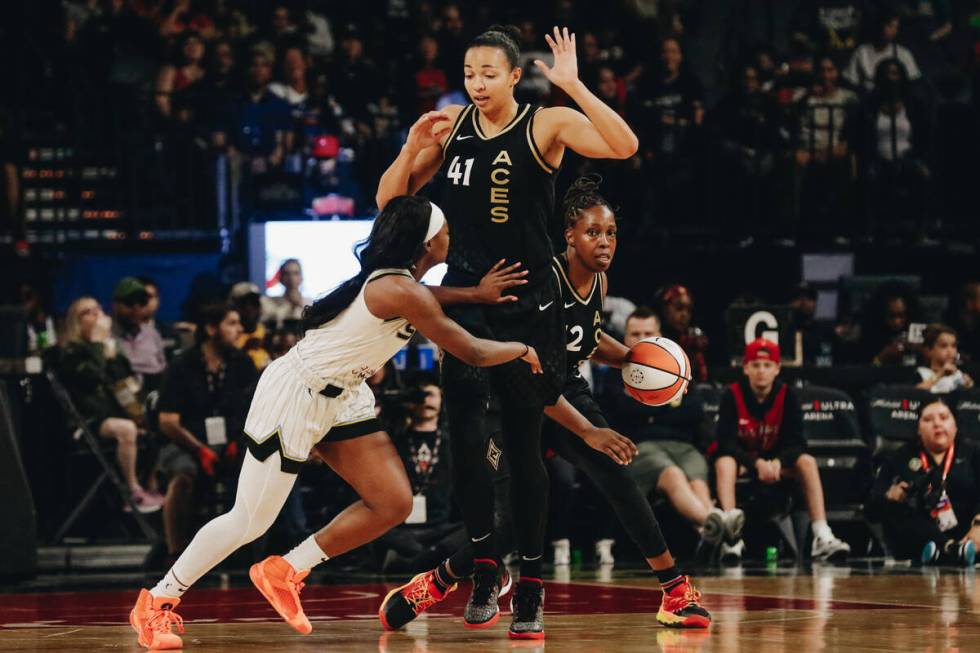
(169, 586)
(821, 528)
(306, 555)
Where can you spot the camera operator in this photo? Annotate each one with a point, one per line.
(203, 402)
(927, 493)
(428, 535)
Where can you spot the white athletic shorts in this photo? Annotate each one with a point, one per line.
(288, 413)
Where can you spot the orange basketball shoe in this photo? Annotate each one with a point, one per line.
(681, 607)
(280, 584)
(151, 618)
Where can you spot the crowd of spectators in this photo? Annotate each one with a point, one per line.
(824, 119)
(173, 398)
(827, 121)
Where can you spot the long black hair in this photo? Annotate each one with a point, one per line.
(505, 38)
(581, 195)
(397, 240)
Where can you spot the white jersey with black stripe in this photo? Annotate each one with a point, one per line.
(355, 344)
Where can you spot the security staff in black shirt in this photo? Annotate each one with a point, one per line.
(204, 398)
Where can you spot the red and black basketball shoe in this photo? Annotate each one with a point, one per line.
(681, 606)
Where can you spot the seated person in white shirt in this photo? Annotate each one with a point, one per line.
(940, 374)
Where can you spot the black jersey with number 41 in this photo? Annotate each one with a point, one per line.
(499, 197)
(583, 315)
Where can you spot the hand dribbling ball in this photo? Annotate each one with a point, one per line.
(656, 372)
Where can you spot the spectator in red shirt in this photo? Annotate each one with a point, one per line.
(430, 78)
(760, 433)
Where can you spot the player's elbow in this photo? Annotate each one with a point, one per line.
(627, 148)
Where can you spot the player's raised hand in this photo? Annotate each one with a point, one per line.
(499, 279)
(565, 70)
(428, 130)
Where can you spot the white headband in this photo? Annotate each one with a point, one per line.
(436, 219)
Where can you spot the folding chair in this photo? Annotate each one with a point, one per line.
(967, 407)
(84, 436)
(833, 434)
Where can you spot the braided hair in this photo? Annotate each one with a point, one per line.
(581, 195)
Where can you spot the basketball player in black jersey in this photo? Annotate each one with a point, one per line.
(499, 160)
(590, 235)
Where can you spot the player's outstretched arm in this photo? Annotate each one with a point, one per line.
(420, 156)
(599, 134)
(400, 297)
(491, 290)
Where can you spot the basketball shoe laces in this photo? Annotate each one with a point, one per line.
(419, 594)
(483, 580)
(295, 583)
(162, 620)
(526, 603)
(691, 597)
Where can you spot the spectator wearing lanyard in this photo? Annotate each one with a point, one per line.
(760, 433)
(204, 399)
(427, 536)
(927, 493)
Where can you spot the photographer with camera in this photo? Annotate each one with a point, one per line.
(927, 493)
(427, 536)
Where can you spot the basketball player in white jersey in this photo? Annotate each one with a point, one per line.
(315, 398)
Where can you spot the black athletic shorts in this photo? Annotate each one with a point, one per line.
(536, 319)
(578, 394)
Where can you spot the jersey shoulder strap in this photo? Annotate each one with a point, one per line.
(388, 272)
(560, 266)
(456, 126)
(535, 152)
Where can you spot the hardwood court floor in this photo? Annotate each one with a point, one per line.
(857, 608)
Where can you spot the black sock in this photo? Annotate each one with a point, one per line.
(668, 577)
(460, 564)
(531, 568)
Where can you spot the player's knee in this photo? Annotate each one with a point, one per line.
(398, 508)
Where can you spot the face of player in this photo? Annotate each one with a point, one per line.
(489, 78)
(937, 427)
(438, 247)
(761, 372)
(226, 333)
(640, 328)
(942, 353)
(593, 238)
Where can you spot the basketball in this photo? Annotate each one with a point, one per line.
(657, 371)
